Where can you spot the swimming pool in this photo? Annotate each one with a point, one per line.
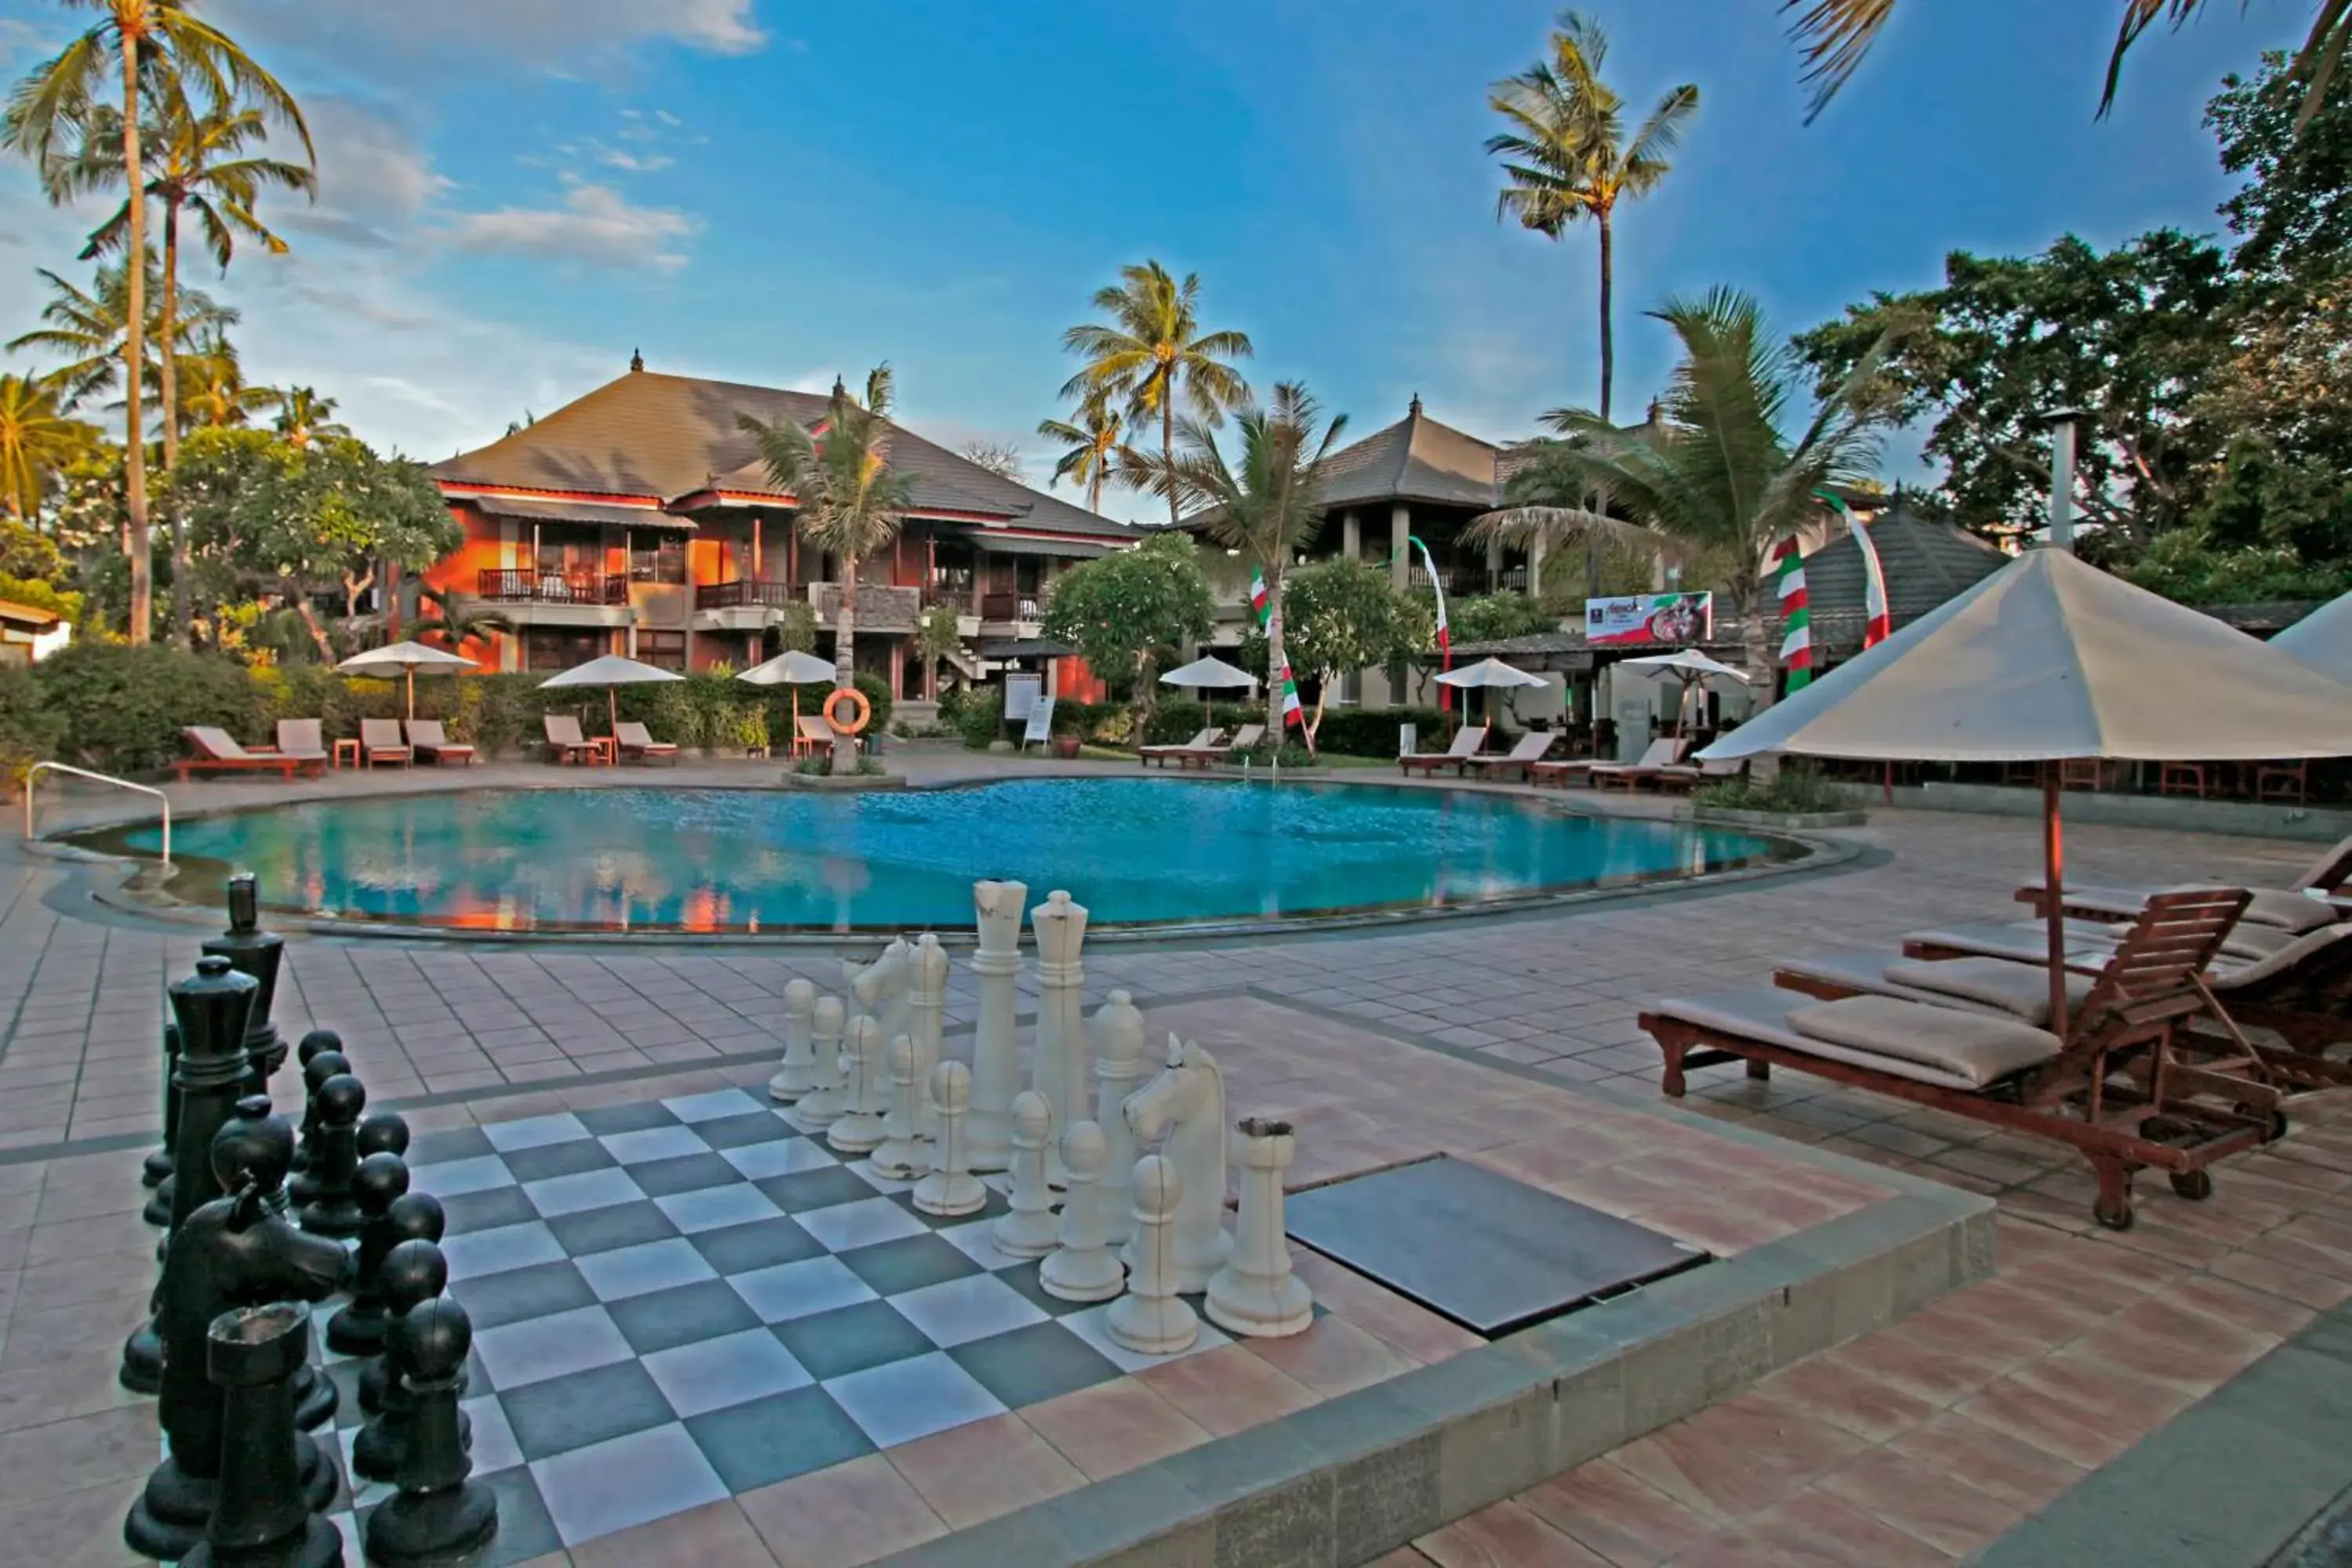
(1136, 851)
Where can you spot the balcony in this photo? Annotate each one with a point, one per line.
(879, 608)
(1017, 608)
(506, 587)
(749, 593)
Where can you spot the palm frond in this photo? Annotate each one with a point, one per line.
(1834, 36)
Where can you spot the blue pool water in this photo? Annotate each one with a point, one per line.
(1136, 851)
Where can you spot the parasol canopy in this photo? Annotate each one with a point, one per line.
(793, 669)
(1690, 666)
(612, 672)
(1208, 672)
(2322, 639)
(407, 658)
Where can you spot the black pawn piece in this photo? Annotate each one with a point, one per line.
(414, 1216)
(335, 1156)
(385, 1132)
(412, 1274)
(157, 1167)
(439, 1515)
(261, 1518)
(322, 1065)
(358, 1328)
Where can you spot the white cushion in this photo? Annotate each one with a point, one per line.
(2020, 990)
(1975, 1047)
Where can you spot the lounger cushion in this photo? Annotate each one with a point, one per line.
(1975, 1047)
(2301, 950)
(2290, 912)
(1760, 1013)
(2020, 990)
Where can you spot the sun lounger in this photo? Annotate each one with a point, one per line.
(380, 743)
(216, 751)
(2028, 941)
(1664, 752)
(1202, 742)
(2293, 912)
(301, 738)
(812, 734)
(1524, 754)
(635, 741)
(1245, 739)
(430, 742)
(565, 743)
(1465, 746)
(1688, 776)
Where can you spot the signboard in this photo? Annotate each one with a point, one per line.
(1646, 619)
(1041, 721)
(1020, 692)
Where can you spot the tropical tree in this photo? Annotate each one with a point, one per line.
(851, 502)
(1270, 506)
(999, 458)
(48, 114)
(1151, 351)
(1566, 157)
(1093, 449)
(1345, 614)
(1121, 612)
(1717, 476)
(88, 327)
(939, 632)
(459, 620)
(213, 394)
(36, 442)
(302, 413)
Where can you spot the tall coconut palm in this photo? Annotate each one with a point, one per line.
(90, 329)
(1092, 444)
(1270, 506)
(37, 441)
(851, 502)
(213, 394)
(1151, 351)
(48, 114)
(1566, 155)
(1836, 34)
(1716, 475)
(303, 413)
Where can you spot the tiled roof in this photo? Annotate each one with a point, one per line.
(1926, 562)
(1414, 459)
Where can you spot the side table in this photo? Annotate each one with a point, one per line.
(347, 752)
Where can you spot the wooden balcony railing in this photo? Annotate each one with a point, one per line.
(747, 592)
(1012, 608)
(551, 588)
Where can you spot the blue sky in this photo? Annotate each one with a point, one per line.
(517, 193)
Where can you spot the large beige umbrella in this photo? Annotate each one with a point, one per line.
(408, 657)
(612, 672)
(1690, 666)
(2322, 639)
(2048, 659)
(796, 670)
(1492, 675)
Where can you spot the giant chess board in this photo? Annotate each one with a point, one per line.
(686, 1299)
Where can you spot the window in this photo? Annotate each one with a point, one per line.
(663, 650)
(656, 556)
(552, 648)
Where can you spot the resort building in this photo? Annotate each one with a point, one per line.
(637, 520)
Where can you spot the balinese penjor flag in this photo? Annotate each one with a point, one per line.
(1796, 616)
(1877, 623)
(1292, 711)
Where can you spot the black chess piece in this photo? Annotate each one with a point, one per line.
(259, 953)
(335, 1155)
(322, 1065)
(412, 1274)
(383, 1132)
(233, 1252)
(438, 1515)
(414, 1216)
(210, 1008)
(156, 1169)
(261, 1517)
(310, 1047)
(357, 1329)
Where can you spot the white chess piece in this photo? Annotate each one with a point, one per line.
(793, 1077)
(1057, 1067)
(995, 1041)
(897, 968)
(1029, 1231)
(858, 1130)
(1187, 1101)
(869, 997)
(927, 1004)
(1151, 1319)
(1255, 1292)
(951, 1188)
(899, 1156)
(824, 1102)
(1085, 1268)
(1118, 1062)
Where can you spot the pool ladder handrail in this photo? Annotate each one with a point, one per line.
(38, 768)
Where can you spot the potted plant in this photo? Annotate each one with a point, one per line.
(1067, 746)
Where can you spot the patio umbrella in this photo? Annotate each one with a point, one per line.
(408, 657)
(796, 670)
(1492, 674)
(612, 672)
(1208, 670)
(2322, 639)
(1692, 667)
(2049, 659)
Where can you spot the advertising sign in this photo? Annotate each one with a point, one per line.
(1022, 690)
(1643, 619)
(1041, 721)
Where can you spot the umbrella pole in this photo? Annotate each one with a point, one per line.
(412, 690)
(613, 711)
(2054, 857)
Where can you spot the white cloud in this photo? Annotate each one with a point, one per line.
(551, 34)
(596, 225)
(374, 179)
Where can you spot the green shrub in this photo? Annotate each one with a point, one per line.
(1178, 720)
(120, 708)
(980, 716)
(491, 712)
(28, 732)
(1373, 732)
(1796, 790)
(877, 693)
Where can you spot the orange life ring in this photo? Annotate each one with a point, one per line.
(864, 711)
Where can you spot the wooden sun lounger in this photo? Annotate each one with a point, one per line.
(1664, 753)
(380, 743)
(304, 739)
(1687, 776)
(2294, 912)
(434, 746)
(1525, 755)
(218, 752)
(811, 733)
(636, 741)
(1465, 746)
(1203, 741)
(565, 743)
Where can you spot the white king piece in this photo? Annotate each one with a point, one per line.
(1057, 1067)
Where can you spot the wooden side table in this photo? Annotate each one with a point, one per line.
(347, 752)
(601, 752)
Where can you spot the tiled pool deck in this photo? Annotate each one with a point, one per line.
(1918, 1442)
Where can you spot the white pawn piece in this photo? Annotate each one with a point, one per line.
(793, 1075)
(927, 1004)
(1057, 1065)
(995, 1041)
(951, 1188)
(1151, 1319)
(1255, 1293)
(1086, 1267)
(899, 1156)
(1029, 1231)
(1118, 1062)
(858, 1130)
(824, 1102)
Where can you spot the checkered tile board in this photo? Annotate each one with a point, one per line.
(685, 1298)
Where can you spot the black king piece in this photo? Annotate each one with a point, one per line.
(258, 953)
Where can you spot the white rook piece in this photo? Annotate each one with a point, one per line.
(899, 1156)
(1118, 1062)
(928, 994)
(1255, 1292)
(1029, 1231)
(1187, 1101)
(951, 1188)
(1058, 1066)
(824, 1102)
(859, 1128)
(1086, 1268)
(995, 1045)
(1151, 1319)
(792, 1074)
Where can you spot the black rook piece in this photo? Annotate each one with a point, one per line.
(380, 1182)
(438, 1515)
(322, 1065)
(412, 1273)
(256, 952)
(262, 1517)
(414, 1216)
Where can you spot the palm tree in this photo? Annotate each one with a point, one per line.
(851, 502)
(302, 413)
(1271, 506)
(90, 328)
(51, 110)
(1567, 157)
(459, 621)
(1094, 449)
(213, 394)
(37, 441)
(1714, 477)
(1836, 34)
(1152, 350)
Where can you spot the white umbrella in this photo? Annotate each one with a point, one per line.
(1208, 670)
(2322, 639)
(1492, 674)
(612, 672)
(1690, 666)
(796, 670)
(2047, 659)
(408, 657)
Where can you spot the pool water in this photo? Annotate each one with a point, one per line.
(1134, 851)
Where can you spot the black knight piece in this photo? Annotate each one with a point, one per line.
(335, 1155)
(262, 1517)
(414, 1216)
(358, 1328)
(322, 1065)
(259, 953)
(439, 1515)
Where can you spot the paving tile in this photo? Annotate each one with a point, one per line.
(1933, 1505)
(612, 1486)
(1227, 1389)
(850, 1339)
(1504, 1535)
(837, 1517)
(711, 1373)
(664, 1319)
(1110, 1428)
(1611, 1511)
(1737, 1457)
(901, 1401)
(972, 1473)
(559, 1413)
(715, 1535)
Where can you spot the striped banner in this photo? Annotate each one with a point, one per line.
(1796, 616)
